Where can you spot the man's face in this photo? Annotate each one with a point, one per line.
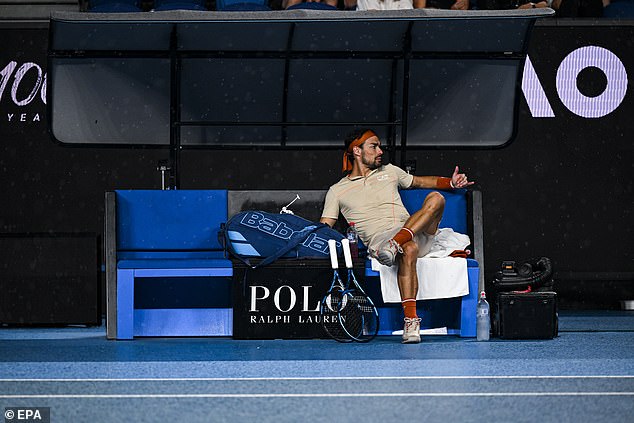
(371, 153)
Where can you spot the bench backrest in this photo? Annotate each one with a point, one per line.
(177, 220)
(189, 220)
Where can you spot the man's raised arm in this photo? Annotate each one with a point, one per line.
(457, 180)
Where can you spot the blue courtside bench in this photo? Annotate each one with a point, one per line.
(153, 236)
(165, 234)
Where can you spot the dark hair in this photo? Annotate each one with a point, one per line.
(353, 136)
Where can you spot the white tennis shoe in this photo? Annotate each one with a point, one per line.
(411, 331)
(387, 252)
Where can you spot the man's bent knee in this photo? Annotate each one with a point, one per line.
(410, 251)
(435, 200)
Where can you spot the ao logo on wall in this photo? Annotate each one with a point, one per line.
(23, 89)
(567, 89)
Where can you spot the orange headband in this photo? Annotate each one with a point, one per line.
(347, 155)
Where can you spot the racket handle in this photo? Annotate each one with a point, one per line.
(332, 247)
(345, 243)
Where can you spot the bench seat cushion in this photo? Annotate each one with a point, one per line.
(175, 264)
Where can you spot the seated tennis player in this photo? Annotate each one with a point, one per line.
(368, 196)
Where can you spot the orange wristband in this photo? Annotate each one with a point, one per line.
(444, 183)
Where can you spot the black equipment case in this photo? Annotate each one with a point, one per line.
(531, 315)
(525, 304)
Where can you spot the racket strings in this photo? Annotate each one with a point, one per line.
(330, 307)
(359, 317)
(348, 314)
(360, 302)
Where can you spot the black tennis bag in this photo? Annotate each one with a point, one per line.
(269, 236)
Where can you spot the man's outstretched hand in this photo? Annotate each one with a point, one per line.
(459, 180)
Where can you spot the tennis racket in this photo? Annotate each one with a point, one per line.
(332, 301)
(358, 316)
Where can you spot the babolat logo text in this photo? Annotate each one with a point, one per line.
(282, 230)
(27, 414)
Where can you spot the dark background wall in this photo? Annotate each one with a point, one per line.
(562, 189)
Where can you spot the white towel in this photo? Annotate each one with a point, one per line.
(439, 276)
(446, 241)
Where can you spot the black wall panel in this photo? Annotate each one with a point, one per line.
(50, 279)
(562, 189)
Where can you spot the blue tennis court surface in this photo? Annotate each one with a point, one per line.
(586, 374)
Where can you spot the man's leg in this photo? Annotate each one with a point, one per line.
(407, 277)
(428, 217)
(408, 287)
(425, 220)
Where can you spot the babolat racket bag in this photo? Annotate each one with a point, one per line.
(269, 236)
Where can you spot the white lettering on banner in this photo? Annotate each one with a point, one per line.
(255, 298)
(258, 221)
(306, 299)
(260, 293)
(24, 117)
(43, 90)
(318, 317)
(314, 319)
(18, 79)
(268, 319)
(566, 82)
(534, 92)
(5, 74)
(609, 64)
(303, 319)
(293, 298)
(40, 83)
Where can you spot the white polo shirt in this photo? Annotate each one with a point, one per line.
(384, 4)
(373, 203)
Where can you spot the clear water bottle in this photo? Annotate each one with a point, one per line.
(483, 321)
(353, 237)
